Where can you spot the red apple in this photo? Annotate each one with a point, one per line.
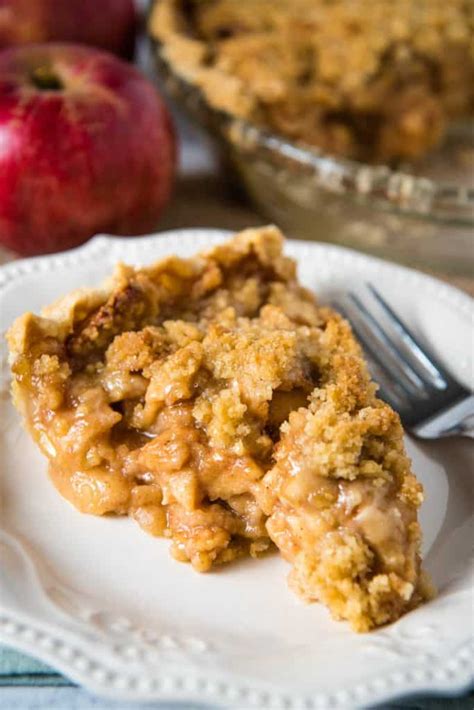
(86, 146)
(108, 24)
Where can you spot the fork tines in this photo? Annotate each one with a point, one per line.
(413, 381)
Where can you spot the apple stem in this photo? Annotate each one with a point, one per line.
(45, 79)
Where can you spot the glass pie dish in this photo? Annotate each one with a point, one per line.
(420, 214)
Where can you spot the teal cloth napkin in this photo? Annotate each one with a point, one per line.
(18, 669)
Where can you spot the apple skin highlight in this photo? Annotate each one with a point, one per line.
(86, 146)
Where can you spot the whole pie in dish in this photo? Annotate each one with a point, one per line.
(215, 402)
(373, 80)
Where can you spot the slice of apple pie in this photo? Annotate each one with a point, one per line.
(214, 401)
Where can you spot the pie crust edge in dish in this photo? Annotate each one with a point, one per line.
(325, 76)
(194, 457)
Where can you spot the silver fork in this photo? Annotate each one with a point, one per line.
(431, 403)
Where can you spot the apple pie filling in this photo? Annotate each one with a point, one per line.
(215, 402)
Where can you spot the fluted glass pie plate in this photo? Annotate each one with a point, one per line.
(419, 213)
(106, 605)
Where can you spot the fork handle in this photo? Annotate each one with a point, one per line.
(457, 420)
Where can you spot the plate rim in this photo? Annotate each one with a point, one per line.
(449, 677)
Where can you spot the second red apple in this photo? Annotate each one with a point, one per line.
(108, 24)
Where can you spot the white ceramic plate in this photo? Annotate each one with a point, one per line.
(106, 605)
